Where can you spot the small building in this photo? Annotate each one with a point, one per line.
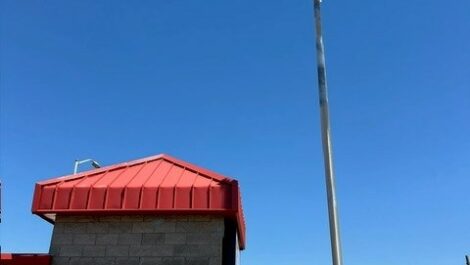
(156, 210)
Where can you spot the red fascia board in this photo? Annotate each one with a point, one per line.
(134, 211)
(37, 197)
(25, 259)
(240, 219)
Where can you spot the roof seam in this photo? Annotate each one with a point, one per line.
(124, 188)
(105, 203)
(157, 203)
(92, 186)
(174, 186)
(145, 182)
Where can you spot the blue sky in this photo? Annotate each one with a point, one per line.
(231, 86)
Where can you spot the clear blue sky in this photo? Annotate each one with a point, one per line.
(231, 86)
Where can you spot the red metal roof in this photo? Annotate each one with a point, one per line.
(25, 259)
(155, 185)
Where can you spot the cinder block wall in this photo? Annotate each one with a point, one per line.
(137, 240)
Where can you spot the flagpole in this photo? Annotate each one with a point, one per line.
(326, 140)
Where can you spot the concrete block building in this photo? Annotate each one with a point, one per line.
(152, 211)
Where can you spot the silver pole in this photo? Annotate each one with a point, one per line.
(75, 167)
(79, 162)
(326, 140)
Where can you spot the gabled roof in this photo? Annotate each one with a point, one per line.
(154, 185)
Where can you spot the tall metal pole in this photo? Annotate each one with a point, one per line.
(467, 258)
(326, 140)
